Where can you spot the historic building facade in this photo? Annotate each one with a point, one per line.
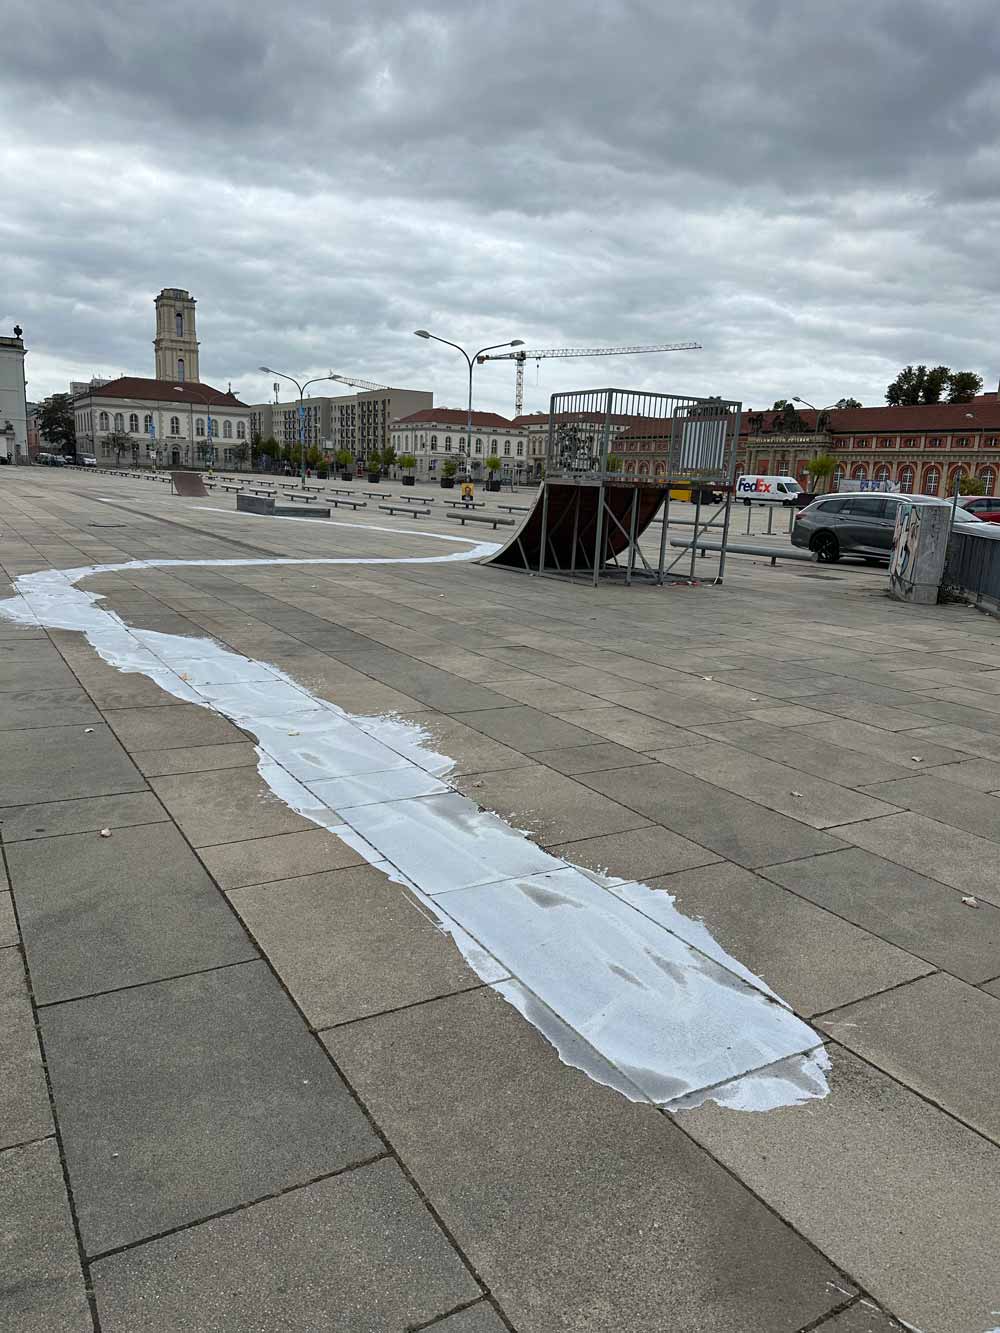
(437, 434)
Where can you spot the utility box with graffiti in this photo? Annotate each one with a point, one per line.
(918, 552)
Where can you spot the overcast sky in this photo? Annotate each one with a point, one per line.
(808, 189)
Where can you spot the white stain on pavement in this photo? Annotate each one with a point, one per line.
(627, 988)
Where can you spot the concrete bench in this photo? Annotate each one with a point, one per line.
(236, 487)
(415, 499)
(349, 504)
(493, 519)
(466, 504)
(378, 495)
(297, 495)
(515, 509)
(772, 553)
(410, 513)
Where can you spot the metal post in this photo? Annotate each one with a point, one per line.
(749, 512)
(599, 525)
(545, 527)
(729, 497)
(633, 522)
(770, 516)
(302, 441)
(468, 422)
(663, 532)
(697, 524)
(576, 531)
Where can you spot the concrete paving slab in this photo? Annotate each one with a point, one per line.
(727, 824)
(992, 987)
(183, 1098)
(920, 915)
(351, 943)
(861, 1317)
(356, 1253)
(948, 802)
(786, 790)
(46, 708)
(43, 674)
(228, 806)
(8, 924)
(51, 818)
(807, 956)
(589, 758)
(545, 1169)
(552, 807)
(637, 854)
(898, 748)
(979, 774)
(633, 730)
(164, 728)
(62, 763)
(847, 768)
(42, 1289)
(896, 1192)
(98, 913)
(985, 745)
(936, 1035)
(527, 729)
(284, 856)
(24, 1098)
(481, 1318)
(195, 759)
(959, 859)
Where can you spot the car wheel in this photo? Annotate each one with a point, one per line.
(827, 548)
(747, 503)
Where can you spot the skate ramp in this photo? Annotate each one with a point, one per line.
(187, 483)
(571, 523)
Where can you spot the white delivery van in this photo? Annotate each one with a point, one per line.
(767, 490)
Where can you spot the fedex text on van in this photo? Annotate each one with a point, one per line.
(757, 484)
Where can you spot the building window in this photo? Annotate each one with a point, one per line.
(447, 444)
(434, 441)
(147, 423)
(887, 444)
(199, 426)
(175, 425)
(119, 421)
(955, 476)
(479, 446)
(936, 443)
(932, 480)
(179, 324)
(506, 448)
(881, 473)
(102, 421)
(227, 430)
(910, 443)
(839, 472)
(133, 422)
(520, 449)
(963, 443)
(861, 444)
(241, 430)
(991, 443)
(988, 476)
(493, 445)
(215, 426)
(860, 473)
(180, 370)
(906, 475)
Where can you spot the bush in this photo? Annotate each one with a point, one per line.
(407, 462)
(449, 467)
(493, 463)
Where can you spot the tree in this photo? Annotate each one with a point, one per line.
(449, 467)
(971, 486)
(821, 467)
(119, 442)
(241, 453)
(779, 404)
(387, 457)
(314, 457)
(344, 459)
(56, 422)
(407, 462)
(843, 403)
(963, 385)
(493, 464)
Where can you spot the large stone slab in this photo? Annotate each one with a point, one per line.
(948, 802)
(99, 913)
(183, 1098)
(41, 1283)
(195, 758)
(226, 806)
(937, 1036)
(60, 763)
(45, 708)
(53, 818)
(356, 1253)
(579, 1209)
(527, 729)
(637, 854)
(896, 1192)
(24, 1097)
(550, 806)
(163, 728)
(350, 943)
(284, 856)
(919, 914)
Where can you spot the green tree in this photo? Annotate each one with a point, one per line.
(821, 468)
(120, 442)
(344, 459)
(387, 457)
(449, 467)
(407, 462)
(972, 486)
(56, 422)
(241, 452)
(779, 404)
(963, 385)
(314, 456)
(493, 464)
(843, 403)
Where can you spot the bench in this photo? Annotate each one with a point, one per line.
(466, 504)
(297, 495)
(415, 500)
(378, 495)
(410, 513)
(494, 519)
(237, 486)
(772, 553)
(515, 509)
(351, 504)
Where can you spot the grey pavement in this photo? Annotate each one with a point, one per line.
(246, 1083)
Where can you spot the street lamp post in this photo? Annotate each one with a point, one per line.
(471, 360)
(302, 410)
(818, 410)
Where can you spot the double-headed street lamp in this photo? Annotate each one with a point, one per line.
(515, 342)
(302, 410)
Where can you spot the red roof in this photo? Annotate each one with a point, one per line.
(163, 391)
(928, 418)
(454, 416)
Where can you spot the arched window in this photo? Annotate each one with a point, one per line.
(434, 441)
(493, 445)
(520, 448)
(839, 472)
(479, 446)
(180, 370)
(506, 448)
(147, 422)
(175, 425)
(241, 430)
(954, 476)
(447, 444)
(860, 473)
(133, 422)
(215, 427)
(227, 430)
(119, 421)
(644, 469)
(199, 426)
(102, 422)
(932, 480)
(988, 476)
(906, 474)
(881, 473)
(179, 324)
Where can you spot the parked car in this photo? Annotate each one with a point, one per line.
(859, 523)
(50, 460)
(88, 460)
(986, 507)
(767, 490)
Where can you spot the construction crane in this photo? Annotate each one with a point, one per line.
(358, 384)
(521, 356)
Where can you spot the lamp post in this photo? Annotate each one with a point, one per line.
(302, 410)
(818, 410)
(471, 360)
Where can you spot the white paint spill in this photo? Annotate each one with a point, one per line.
(625, 987)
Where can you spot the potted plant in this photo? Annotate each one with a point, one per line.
(387, 458)
(374, 468)
(345, 461)
(448, 469)
(407, 462)
(493, 466)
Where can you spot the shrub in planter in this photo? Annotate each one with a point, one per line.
(345, 462)
(408, 463)
(493, 466)
(448, 470)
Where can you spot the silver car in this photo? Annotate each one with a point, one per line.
(858, 523)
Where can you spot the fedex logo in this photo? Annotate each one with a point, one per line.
(755, 484)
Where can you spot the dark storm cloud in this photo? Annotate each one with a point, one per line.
(807, 189)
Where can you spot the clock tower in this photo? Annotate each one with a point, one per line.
(175, 343)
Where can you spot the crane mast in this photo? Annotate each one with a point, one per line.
(520, 357)
(358, 384)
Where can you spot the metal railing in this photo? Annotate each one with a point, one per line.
(973, 566)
